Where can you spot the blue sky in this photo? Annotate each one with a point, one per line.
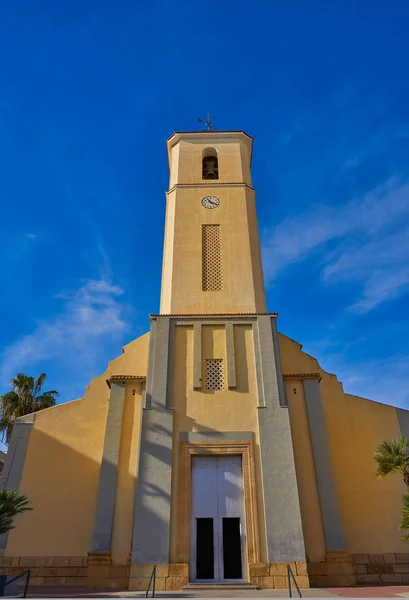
(89, 92)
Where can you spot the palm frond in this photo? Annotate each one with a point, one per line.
(39, 382)
(392, 456)
(404, 525)
(45, 401)
(23, 400)
(12, 503)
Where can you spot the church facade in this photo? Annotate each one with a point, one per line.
(213, 447)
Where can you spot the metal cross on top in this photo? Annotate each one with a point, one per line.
(208, 122)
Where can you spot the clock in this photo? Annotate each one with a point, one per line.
(210, 202)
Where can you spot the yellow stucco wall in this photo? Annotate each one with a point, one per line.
(243, 287)
(127, 475)
(185, 159)
(370, 507)
(225, 410)
(61, 470)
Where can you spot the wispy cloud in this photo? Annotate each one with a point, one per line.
(370, 243)
(89, 317)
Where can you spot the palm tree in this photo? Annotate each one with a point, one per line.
(25, 399)
(12, 503)
(392, 456)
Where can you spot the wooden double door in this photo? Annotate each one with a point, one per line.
(217, 526)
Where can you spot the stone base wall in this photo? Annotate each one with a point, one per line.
(58, 571)
(336, 571)
(96, 571)
(168, 577)
(381, 569)
(102, 574)
(274, 576)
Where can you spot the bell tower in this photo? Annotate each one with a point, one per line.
(212, 260)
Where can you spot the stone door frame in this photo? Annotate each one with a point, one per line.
(244, 449)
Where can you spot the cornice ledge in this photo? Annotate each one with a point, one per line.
(124, 379)
(298, 376)
(212, 184)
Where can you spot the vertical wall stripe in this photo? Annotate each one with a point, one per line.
(334, 537)
(403, 418)
(231, 357)
(15, 457)
(151, 529)
(282, 392)
(104, 513)
(257, 357)
(197, 356)
(285, 539)
(149, 374)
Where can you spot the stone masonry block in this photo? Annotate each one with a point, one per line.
(341, 581)
(301, 568)
(117, 571)
(41, 561)
(257, 581)
(7, 560)
(15, 561)
(162, 570)
(259, 569)
(49, 571)
(36, 581)
(141, 583)
(389, 558)
(75, 581)
(360, 559)
(118, 583)
(400, 568)
(320, 568)
(405, 578)
(379, 568)
(360, 569)
(368, 578)
(176, 583)
(402, 558)
(303, 581)
(266, 583)
(347, 568)
(76, 561)
(61, 561)
(56, 581)
(138, 583)
(49, 561)
(27, 561)
(280, 583)
(136, 570)
(280, 569)
(395, 579)
(376, 558)
(179, 570)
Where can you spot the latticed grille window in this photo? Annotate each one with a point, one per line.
(214, 374)
(212, 278)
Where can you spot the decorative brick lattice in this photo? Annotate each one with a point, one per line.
(214, 374)
(212, 279)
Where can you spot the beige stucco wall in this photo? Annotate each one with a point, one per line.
(61, 470)
(226, 410)
(185, 159)
(370, 507)
(243, 287)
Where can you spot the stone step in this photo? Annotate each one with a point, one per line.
(220, 585)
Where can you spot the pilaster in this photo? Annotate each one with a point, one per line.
(151, 530)
(284, 533)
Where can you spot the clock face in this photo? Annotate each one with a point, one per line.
(210, 202)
